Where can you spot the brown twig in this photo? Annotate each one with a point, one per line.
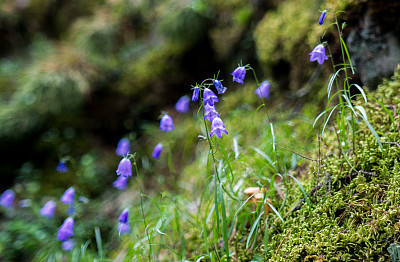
(306, 157)
(391, 143)
(287, 235)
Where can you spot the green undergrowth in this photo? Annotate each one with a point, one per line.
(352, 216)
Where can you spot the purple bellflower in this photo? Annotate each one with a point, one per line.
(123, 225)
(220, 88)
(68, 197)
(62, 167)
(318, 54)
(121, 182)
(238, 74)
(157, 151)
(322, 18)
(7, 199)
(48, 209)
(123, 147)
(263, 90)
(68, 245)
(196, 93)
(218, 127)
(166, 123)
(209, 97)
(182, 106)
(66, 230)
(125, 168)
(124, 217)
(210, 113)
(123, 228)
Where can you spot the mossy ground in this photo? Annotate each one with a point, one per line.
(356, 217)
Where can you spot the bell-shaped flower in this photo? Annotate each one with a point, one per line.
(166, 123)
(196, 93)
(68, 197)
(123, 147)
(238, 74)
(66, 230)
(123, 228)
(68, 245)
(7, 199)
(218, 85)
(48, 209)
(157, 151)
(125, 168)
(263, 90)
(210, 113)
(209, 97)
(218, 127)
(121, 182)
(62, 167)
(124, 217)
(182, 106)
(322, 18)
(318, 54)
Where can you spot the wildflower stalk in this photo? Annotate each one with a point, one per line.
(141, 205)
(217, 194)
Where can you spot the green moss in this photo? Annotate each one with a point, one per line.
(358, 219)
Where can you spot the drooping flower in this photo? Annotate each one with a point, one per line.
(318, 54)
(210, 113)
(125, 168)
(220, 88)
(121, 182)
(263, 90)
(322, 18)
(218, 127)
(66, 230)
(166, 123)
(124, 217)
(196, 93)
(68, 197)
(7, 199)
(68, 245)
(83, 199)
(238, 74)
(123, 228)
(62, 167)
(48, 209)
(182, 106)
(157, 151)
(25, 203)
(209, 97)
(123, 147)
(123, 225)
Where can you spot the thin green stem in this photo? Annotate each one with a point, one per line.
(141, 206)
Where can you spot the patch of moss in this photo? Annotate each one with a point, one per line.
(358, 218)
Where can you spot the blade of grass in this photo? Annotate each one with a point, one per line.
(224, 225)
(98, 242)
(347, 54)
(253, 229)
(304, 193)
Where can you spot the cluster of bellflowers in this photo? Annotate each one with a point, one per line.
(167, 123)
(318, 54)
(209, 98)
(66, 230)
